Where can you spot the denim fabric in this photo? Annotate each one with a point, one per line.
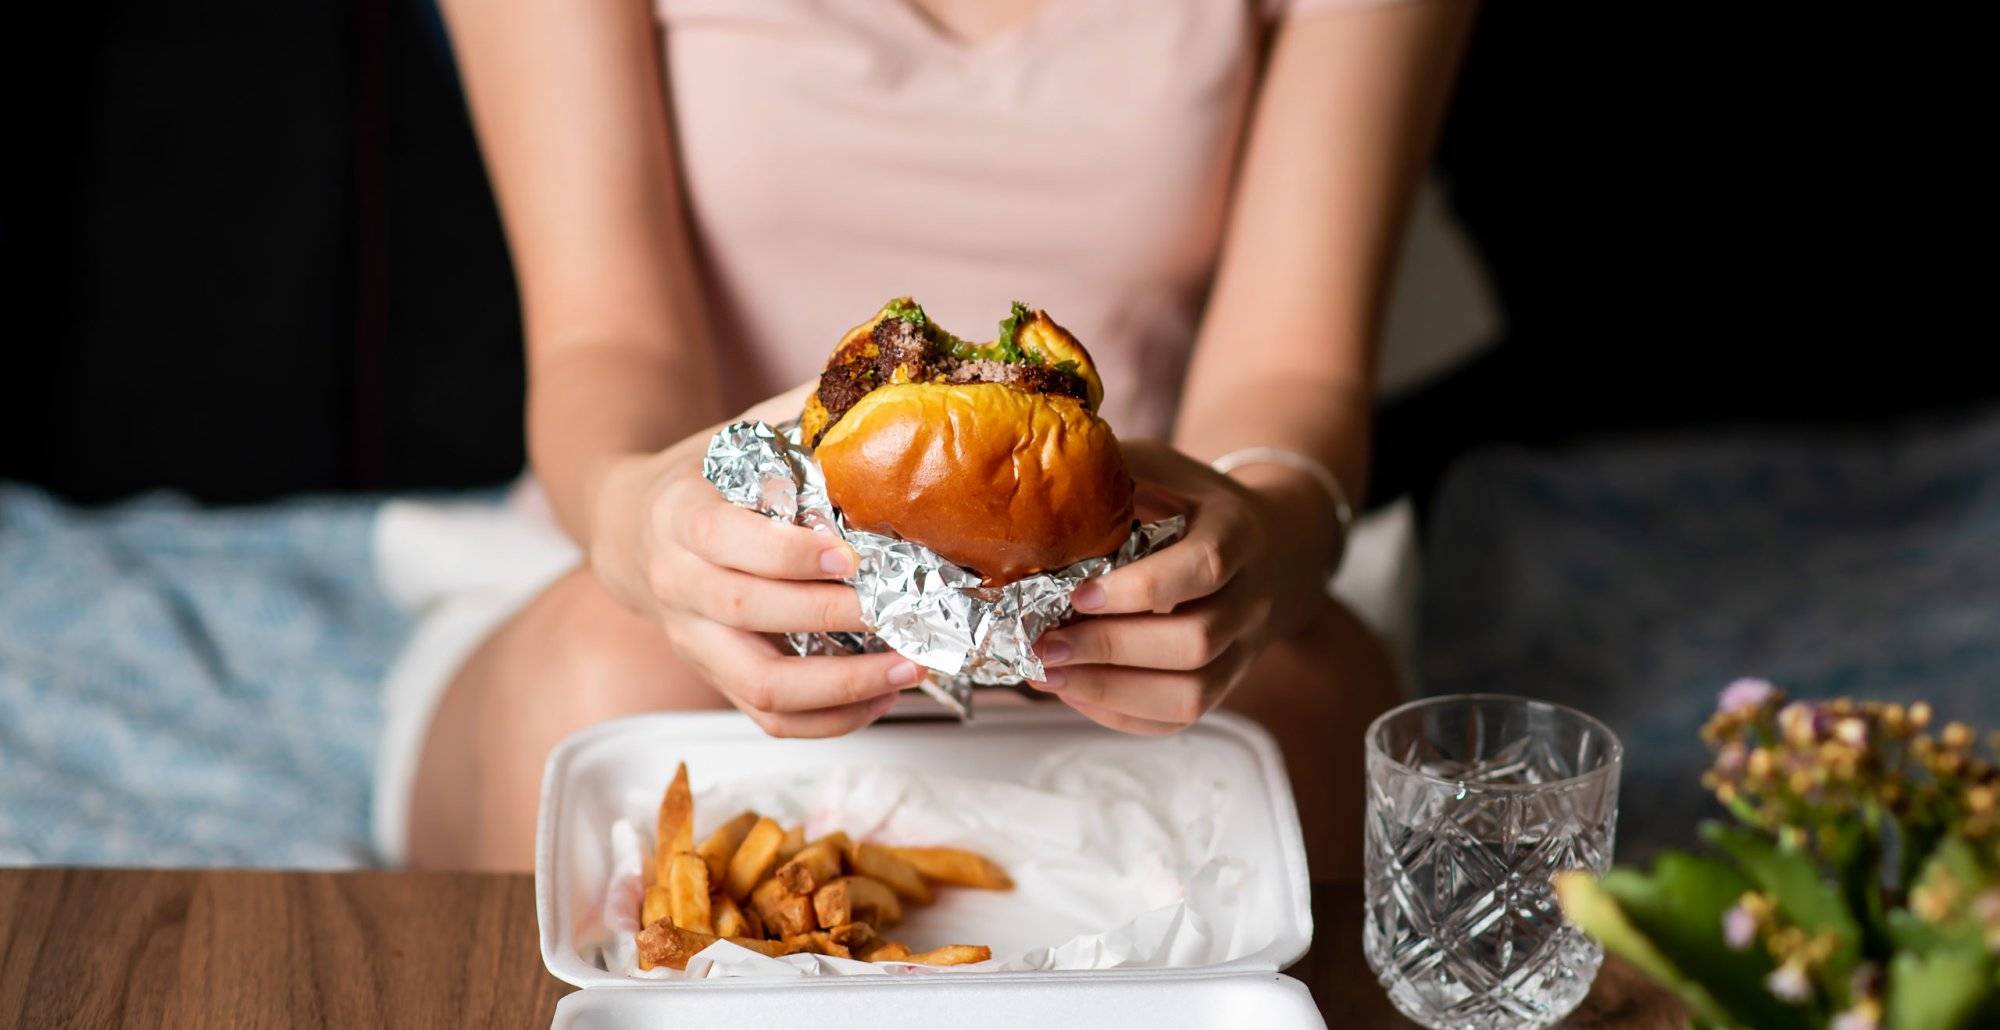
(1634, 579)
(181, 686)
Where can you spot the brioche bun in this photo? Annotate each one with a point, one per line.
(1006, 478)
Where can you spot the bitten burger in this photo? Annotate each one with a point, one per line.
(990, 454)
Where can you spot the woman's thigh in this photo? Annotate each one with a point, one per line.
(574, 657)
(571, 658)
(1316, 692)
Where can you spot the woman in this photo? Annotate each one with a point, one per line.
(700, 197)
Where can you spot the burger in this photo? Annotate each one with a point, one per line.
(991, 455)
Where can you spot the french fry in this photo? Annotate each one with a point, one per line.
(768, 889)
(833, 904)
(664, 944)
(884, 951)
(754, 858)
(952, 955)
(956, 866)
(851, 935)
(675, 831)
(850, 898)
(874, 860)
(783, 913)
(816, 864)
(687, 889)
(656, 906)
(794, 842)
(729, 920)
(717, 848)
(817, 942)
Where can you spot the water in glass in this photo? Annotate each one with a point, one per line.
(1474, 803)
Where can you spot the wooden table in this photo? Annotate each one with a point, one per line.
(96, 947)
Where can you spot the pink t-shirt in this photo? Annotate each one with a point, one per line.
(841, 152)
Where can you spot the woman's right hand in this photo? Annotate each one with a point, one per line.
(717, 578)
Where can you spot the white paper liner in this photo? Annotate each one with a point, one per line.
(1115, 854)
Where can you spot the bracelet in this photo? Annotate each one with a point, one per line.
(1343, 512)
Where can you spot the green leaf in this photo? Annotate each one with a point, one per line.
(1679, 907)
(1855, 851)
(1954, 868)
(906, 309)
(1007, 346)
(1805, 894)
(1912, 934)
(1596, 913)
(1938, 991)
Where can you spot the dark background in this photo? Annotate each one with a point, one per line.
(250, 251)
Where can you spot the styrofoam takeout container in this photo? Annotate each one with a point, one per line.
(590, 774)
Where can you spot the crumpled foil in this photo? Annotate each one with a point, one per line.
(925, 608)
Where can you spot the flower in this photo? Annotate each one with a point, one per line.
(1739, 927)
(1789, 981)
(1890, 791)
(1745, 694)
(1865, 1015)
(1802, 723)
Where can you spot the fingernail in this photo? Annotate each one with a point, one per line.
(1053, 678)
(1087, 598)
(1054, 652)
(904, 674)
(836, 561)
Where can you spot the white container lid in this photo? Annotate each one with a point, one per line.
(589, 775)
(964, 1003)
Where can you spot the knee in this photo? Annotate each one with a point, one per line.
(1340, 657)
(600, 658)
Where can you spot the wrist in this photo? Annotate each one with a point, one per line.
(618, 493)
(1304, 540)
(1310, 508)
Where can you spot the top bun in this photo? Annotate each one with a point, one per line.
(991, 455)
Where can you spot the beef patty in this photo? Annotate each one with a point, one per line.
(901, 343)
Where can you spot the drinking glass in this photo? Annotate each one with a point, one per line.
(1474, 802)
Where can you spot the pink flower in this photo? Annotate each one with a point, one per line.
(1739, 927)
(1744, 694)
(1733, 757)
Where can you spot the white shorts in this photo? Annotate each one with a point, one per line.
(463, 568)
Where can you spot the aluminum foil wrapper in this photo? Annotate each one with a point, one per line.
(924, 607)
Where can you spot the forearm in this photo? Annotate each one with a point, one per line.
(1323, 419)
(592, 407)
(1340, 137)
(573, 125)
(1286, 354)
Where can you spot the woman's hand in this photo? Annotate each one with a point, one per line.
(716, 577)
(1168, 636)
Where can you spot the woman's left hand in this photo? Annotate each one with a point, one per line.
(1168, 636)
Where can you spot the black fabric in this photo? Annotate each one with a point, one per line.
(1695, 220)
(255, 255)
(251, 251)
